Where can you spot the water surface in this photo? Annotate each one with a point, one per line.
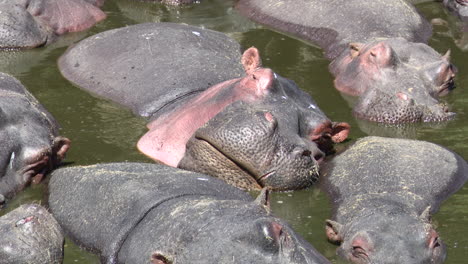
(104, 132)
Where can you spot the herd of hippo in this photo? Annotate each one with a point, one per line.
(214, 111)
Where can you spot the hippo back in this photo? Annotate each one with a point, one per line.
(149, 66)
(117, 196)
(327, 23)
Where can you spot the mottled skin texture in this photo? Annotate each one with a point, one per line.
(34, 23)
(29, 234)
(459, 7)
(151, 212)
(141, 76)
(383, 192)
(380, 50)
(30, 145)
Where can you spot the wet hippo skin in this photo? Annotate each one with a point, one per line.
(29, 234)
(140, 213)
(384, 191)
(181, 77)
(30, 145)
(34, 23)
(378, 53)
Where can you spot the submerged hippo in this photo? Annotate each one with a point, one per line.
(176, 75)
(34, 23)
(459, 7)
(383, 192)
(377, 51)
(29, 234)
(158, 214)
(30, 145)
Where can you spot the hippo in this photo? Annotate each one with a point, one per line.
(385, 62)
(383, 192)
(459, 7)
(30, 145)
(30, 234)
(141, 212)
(34, 23)
(180, 77)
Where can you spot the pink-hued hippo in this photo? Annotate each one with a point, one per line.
(34, 23)
(189, 82)
(378, 53)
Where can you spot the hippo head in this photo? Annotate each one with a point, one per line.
(393, 238)
(459, 7)
(30, 147)
(398, 81)
(272, 137)
(248, 234)
(30, 235)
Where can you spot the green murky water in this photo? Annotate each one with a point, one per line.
(104, 132)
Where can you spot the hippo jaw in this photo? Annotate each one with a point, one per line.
(251, 152)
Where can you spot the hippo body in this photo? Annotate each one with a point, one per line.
(30, 235)
(181, 77)
(29, 134)
(34, 23)
(377, 51)
(383, 191)
(155, 212)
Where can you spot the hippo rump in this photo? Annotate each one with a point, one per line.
(379, 56)
(137, 212)
(383, 192)
(181, 77)
(30, 145)
(34, 23)
(29, 234)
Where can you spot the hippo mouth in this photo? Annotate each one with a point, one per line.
(244, 169)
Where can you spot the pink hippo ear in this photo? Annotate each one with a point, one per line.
(333, 231)
(340, 131)
(251, 60)
(159, 258)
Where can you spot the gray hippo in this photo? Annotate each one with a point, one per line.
(29, 234)
(140, 213)
(459, 7)
(34, 23)
(377, 51)
(181, 77)
(30, 145)
(383, 192)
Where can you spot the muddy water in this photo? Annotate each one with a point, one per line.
(104, 132)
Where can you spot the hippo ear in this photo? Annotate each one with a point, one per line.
(263, 199)
(354, 49)
(251, 60)
(333, 230)
(60, 147)
(426, 215)
(340, 131)
(159, 258)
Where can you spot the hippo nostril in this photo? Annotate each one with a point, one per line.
(306, 152)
